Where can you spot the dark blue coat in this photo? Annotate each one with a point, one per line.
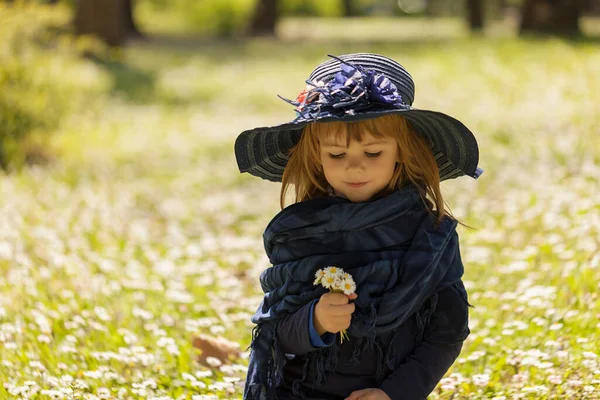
(411, 311)
(419, 367)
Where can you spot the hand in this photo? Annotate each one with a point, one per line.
(368, 394)
(333, 312)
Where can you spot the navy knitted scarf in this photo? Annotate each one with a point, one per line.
(397, 256)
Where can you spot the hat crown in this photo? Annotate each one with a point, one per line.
(378, 63)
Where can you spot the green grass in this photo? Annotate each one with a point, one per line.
(144, 234)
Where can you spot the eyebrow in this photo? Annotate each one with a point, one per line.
(365, 144)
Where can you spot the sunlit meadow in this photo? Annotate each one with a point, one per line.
(144, 235)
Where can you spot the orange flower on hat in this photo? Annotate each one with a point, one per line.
(306, 96)
(301, 98)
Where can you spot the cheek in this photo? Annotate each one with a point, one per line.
(330, 167)
(386, 165)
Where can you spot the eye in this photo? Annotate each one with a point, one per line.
(370, 155)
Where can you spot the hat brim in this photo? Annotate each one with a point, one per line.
(263, 151)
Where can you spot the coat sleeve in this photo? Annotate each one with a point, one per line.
(442, 342)
(297, 335)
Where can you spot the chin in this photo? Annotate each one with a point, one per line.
(358, 199)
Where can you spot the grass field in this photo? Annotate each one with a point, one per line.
(144, 234)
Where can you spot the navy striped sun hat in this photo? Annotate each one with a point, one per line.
(356, 87)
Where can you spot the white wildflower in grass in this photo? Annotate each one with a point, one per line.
(44, 339)
(574, 382)
(555, 379)
(556, 327)
(103, 393)
(481, 380)
(188, 377)
(213, 362)
(590, 364)
(337, 281)
(173, 350)
(198, 384)
(203, 374)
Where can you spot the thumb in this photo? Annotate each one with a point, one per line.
(352, 296)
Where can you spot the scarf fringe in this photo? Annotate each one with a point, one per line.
(322, 362)
(255, 333)
(379, 358)
(390, 361)
(275, 362)
(424, 315)
(371, 321)
(356, 351)
(297, 384)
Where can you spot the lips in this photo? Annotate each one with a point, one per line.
(356, 184)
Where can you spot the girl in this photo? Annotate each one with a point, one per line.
(366, 170)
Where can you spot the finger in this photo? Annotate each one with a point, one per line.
(352, 296)
(366, 395)
(337, 298)
(356, 394)
(341, 322)
(343, 310)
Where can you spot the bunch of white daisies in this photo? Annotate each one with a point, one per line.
(337, 281)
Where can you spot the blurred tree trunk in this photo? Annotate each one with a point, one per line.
(560, 17)
(349, 10)
(110, 20)
(264, 19)
(475, 10)
(130, 24)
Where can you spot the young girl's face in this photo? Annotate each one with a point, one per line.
(361, 170)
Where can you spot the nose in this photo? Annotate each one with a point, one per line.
(355, 164)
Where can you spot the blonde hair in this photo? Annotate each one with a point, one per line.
(417, 165)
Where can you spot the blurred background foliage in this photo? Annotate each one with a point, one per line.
(42, 79)
(59, 57)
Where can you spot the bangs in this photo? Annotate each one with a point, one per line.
(385, 126)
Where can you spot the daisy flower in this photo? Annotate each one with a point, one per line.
(328, 281)
(337, 284)
(318, 276)
(348, 286)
